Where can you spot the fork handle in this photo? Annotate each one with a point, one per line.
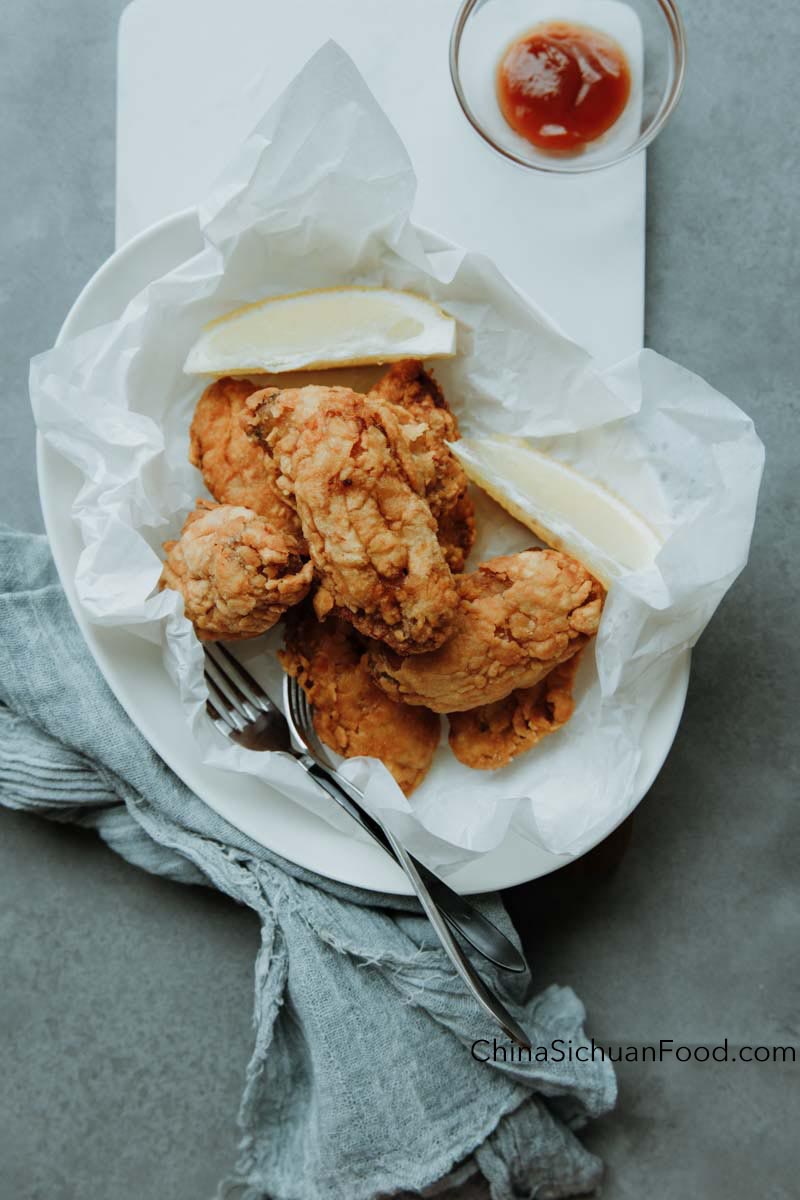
(486, 999)
(460, 914)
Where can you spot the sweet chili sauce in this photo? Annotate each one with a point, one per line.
(561, 85)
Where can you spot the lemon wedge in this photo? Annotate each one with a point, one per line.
(327, 328)
(565, 509)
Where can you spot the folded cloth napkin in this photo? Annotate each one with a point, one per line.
(362, 1081)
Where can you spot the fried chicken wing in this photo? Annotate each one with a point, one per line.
(234, 470)
(421, 402)
(489, 737)
(236, 574)
(351, 714)
(518, 617)
(348, 468)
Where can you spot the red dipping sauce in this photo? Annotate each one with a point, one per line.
(561, 85)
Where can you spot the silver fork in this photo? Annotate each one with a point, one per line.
(302, 725)
(241, 709)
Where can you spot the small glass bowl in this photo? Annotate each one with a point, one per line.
(650, 32)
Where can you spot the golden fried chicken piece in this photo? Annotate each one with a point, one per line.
(519, 616)
(349, 470)
(489, 737)
(409, 385)
(456, 530)
(417, 394)
(237, 575)
(234, 470)
(351, 714)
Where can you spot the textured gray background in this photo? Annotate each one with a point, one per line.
(125, 1001)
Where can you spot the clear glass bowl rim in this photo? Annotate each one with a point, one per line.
(561, 166)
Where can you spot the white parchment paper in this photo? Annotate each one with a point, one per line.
(319, 196)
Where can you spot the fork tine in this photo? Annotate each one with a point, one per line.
(226, 712)
(293, 692)
(290, 693)
(216, 719)
(236, 699)
(250, 688)
(302, 718)
(304, 710)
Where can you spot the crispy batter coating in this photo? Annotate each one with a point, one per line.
(234, 470)
(351, 714)
(350, 472)
(489, 737)
(408, 384)
(237, 576)
(417, 394)
(518, 617)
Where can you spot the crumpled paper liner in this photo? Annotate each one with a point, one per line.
(319, 196)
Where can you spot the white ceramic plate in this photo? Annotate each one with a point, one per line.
(135, 673)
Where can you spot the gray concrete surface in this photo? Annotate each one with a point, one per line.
(125, 1001)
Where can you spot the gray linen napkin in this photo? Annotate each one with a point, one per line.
(361, 1082)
